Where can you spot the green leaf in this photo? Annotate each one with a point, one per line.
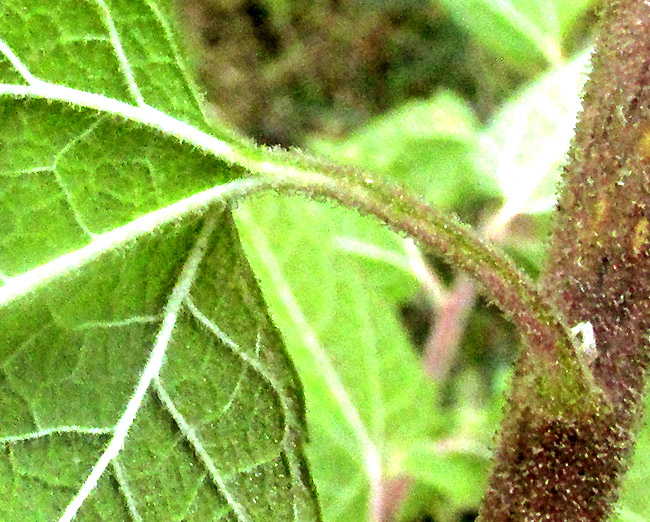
(457, 465)
(141, 377)
(432, 143)
(524, 146)
(570, 11)
(624, 515)
(332, 281)
(460, 476)
(633, 504)
(524, 32)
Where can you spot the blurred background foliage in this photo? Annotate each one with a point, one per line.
(327, 66)
(470, 103)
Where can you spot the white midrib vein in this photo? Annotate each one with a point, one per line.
(27, 282)
(151, 370)
(146, 115)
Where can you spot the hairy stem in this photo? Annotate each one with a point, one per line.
(554, 468)
(559, 381)
(558, 377)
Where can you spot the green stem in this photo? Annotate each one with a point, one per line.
(561, 382)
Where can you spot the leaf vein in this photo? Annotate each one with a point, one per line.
(58, 430)
(192, 437)
(17, 63)
(151, 370)
(169, 35)
(61, 183)
(125, 66)
(255, 364)
(25, 283)
(144, 319)
(144, 114)
(120, 476)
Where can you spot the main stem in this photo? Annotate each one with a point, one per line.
(556, 468)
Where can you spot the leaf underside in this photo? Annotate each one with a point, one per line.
(220, 432)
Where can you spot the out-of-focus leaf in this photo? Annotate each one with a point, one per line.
(427, 145)
(634, 503)
(570, 11)
(625, 515)
(460, 476)
(526, 241)
(524, 32)
(336, 308)
(524, 146)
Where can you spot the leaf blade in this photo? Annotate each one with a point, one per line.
(80, 310)
(359, 385)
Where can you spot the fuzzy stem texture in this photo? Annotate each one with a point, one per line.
(557, 382)
(554, 468)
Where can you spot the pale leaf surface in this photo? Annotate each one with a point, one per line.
(523, 148)
(526, 33)
(333, 281)
(521, 31)
(427, 145)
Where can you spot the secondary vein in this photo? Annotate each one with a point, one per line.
(191, 436)
(119, 52)
(151, 369)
